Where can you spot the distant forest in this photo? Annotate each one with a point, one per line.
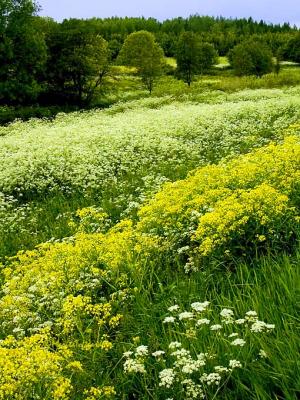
(46, 62)
(223, 33)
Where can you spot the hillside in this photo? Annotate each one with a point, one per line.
(151, 250)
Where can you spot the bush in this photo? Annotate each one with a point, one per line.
(251, 58)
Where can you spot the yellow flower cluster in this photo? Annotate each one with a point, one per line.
(29, 370)
(98, 393)
(250, 197)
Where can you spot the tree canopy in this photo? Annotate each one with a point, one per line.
(193, 56)
(251, 58)
(22, 52)
(78, 62)
(141, 51)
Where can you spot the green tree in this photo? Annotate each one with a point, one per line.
(141, 51)
(78, 63)
(251, 58)
(193, 56)
(207, 57)
(22, 52)
(291, 50)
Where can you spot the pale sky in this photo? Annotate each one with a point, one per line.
(276, 11)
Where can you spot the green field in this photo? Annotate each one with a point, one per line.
(150, 250)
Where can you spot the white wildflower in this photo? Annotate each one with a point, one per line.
(127, 354)
(220, 369)
(212, 378)
(238, 342)
(251, 313)
(215, 327)
(234, 364)
(190, 367)
(192, 390)
(181, 354)
(251, 316)
(262, 353)
(261, 326)
(203, 321)
(240, 321)
(186, 315)
(173, 308)
(174, 345)
(141, 351)
(233, 335)
(169, 320)
(167, 377)
(199, 307)
(158, 353)
(226, 313)
(131, 366)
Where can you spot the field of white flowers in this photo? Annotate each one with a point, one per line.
(119, 157)
(151, 251)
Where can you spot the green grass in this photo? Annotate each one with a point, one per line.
(269, 286)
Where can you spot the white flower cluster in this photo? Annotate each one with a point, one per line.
(135, 360)
(195, 373)
(167, 377)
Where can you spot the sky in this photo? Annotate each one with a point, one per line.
(276, 11)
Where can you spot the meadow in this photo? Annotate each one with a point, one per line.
(150, 250)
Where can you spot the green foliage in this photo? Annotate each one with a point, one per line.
(22, 52)
(141, 51)
(78, 62)
(193, 56)
(291, 50)
(251, 58)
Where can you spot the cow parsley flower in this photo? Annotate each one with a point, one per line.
(174, 308)
(233, 335)
(169, 320)
(127, 354)
(226, 313)
(212, 378)
(215, 327)
(238, 342)
(141, 351)
(262, 353)
(131, 366)
(199, 307)
(234, 364)
(174, 345)
(167, 377)
(203, 321)
(186, 315)
(158, 353)
(261, 326)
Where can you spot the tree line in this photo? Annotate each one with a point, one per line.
(66, 63)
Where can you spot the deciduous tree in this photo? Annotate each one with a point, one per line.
(78, 63)
(141, 51)
(251, 58)
(22, 52)
(193, 56)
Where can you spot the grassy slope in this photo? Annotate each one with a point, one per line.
(84, 159)
(268, 284)
(141, 276)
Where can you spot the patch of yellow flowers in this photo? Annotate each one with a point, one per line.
(220, 208)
